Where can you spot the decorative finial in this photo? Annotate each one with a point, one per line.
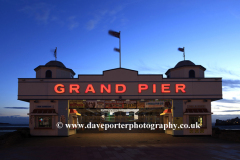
(55, 54)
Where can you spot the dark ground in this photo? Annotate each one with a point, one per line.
(111, 146)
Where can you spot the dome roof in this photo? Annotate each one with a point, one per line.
(184, 63)
(55, 64)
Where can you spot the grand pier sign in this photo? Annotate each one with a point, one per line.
(119, 82)
(119, 88)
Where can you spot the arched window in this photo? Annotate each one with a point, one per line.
(48, 74)
(191, 74)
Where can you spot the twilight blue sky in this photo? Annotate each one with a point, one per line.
(151, 32)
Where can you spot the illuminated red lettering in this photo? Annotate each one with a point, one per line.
(61, 87)
(107, 89)
(154, 88)
(180, 87)
(142, 87)
(90, 89)
(165, 88)
(117, 88)
(74, 87)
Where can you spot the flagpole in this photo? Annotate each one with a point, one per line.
(120, 48)
(55, 54)
(117, 34)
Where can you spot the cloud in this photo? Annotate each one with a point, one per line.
(143, 67)
(116, 10)
(222, 72)
(109, 16)
(72, 22)
(113, 19)
(16, 107)
(92, 23)
(231, 83)
(45, 13)
(40, 11)
(234, 100)
(229, 111)
(222, 106)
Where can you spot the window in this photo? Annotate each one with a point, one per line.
(196, 119)
(44, 121)
(191, 74)
(48, 74)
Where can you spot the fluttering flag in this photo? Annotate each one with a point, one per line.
(113, 33)
(117, 49)
(181, 49)
(117, 34)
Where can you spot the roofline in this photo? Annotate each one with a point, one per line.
(37, 68)
(203, 68)
(119, 68)
(103, 73)
(212, 99)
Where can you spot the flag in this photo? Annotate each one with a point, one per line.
(115, 34)
(117, 49)
(181, 49)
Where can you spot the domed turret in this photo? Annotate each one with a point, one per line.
(54, 69)
(55, 64)
(184, 63)
(186, 69)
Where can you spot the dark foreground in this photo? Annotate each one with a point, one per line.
(130, 146)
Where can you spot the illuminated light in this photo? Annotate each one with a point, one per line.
(142, 99)
(142, 87)
(107, 89)
(74, 87)
(90, 89)
(61, 87)
(156, 99)
(180, 87)
(127, 99)
(84, 100)
(154, 88)
(165, 88)
(113, 100)
(117, 88)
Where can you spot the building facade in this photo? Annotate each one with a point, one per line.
(184, 97)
